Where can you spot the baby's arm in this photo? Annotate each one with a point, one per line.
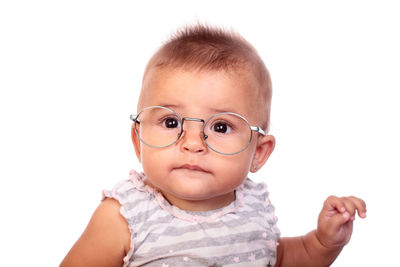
(105, 240)
(320, 247)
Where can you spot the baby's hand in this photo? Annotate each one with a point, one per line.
(335, 222)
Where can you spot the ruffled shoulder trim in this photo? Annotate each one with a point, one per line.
(258, 193)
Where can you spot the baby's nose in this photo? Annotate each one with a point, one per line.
(192, 139)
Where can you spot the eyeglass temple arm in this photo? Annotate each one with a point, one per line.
(258, 130)
(133, 117)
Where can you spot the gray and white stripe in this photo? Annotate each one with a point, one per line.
(245, 235)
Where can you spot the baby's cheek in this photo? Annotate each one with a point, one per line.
(234, 170)
(153, 164)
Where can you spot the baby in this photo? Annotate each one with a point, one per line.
(201, 127)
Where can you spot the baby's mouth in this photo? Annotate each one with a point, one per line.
(191, 167)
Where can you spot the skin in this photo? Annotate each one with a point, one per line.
(198, 94)
(105, 241)
(320, 247)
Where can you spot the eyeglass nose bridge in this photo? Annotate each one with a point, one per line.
(193, 119)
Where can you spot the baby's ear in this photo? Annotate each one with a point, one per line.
(136, 142)
(265, 146)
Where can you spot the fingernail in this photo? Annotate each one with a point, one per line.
(346, 215)
(363, 215)
(353, 218)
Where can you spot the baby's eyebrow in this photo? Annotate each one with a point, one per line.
(171, 106)
(218, 110)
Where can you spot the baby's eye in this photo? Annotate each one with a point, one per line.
(221, 127)
(171, 122)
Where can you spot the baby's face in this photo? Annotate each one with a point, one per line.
(188, 171)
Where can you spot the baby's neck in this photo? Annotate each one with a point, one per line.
(201, 205)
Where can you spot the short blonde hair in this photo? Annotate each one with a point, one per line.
(206, 48)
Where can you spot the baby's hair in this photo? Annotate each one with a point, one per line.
(205, 48)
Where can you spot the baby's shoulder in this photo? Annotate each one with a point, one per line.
(256, 198)
(137, 200)
(105, 240)
(258, 190)
(108, 214)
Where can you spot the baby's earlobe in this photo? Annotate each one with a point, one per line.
(254, 168)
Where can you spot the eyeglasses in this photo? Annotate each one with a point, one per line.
(226, 133)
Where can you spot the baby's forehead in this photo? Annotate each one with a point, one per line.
(242, 75)
(157, 78)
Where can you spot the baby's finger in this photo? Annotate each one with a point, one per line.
(335, 204)
(337, 221)
(360, 206)
(350, 206)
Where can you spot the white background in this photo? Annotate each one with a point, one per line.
(70, 73)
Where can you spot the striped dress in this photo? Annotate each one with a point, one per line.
(243, 233)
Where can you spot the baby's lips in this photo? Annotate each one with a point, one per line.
(191, 167)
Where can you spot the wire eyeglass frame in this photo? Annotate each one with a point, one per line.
(257, 129)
